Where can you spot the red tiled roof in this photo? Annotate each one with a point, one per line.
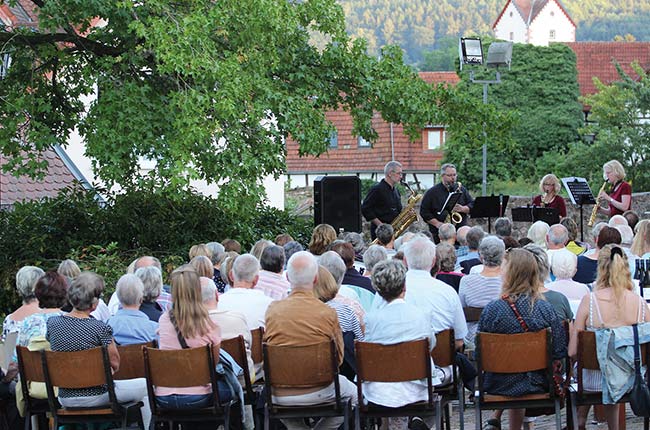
(23, 14)
(596, 59)
(348, 157)
(23, 188)
(524, 8)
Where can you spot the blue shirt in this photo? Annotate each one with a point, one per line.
(397, 322)
(131, 327)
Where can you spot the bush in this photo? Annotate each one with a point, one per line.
(105, 238)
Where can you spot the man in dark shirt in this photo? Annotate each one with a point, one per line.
(435, 197)
(383, 202)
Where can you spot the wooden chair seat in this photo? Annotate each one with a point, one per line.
(515, 353)
(376, 363)
(487, 398)
(179, 368)
(444, 355)
(302, 367)
(132, 361)
(84, 369)
(588, 359)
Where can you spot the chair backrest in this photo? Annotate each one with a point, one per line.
(377, 363)
(30, 366)
(132, 361)
(76, 370)
(502, 353)
(256, 345)
(178, 368)
(472, 314)
(300, 366)
(444, 354)
(236, 347)
(307, 366)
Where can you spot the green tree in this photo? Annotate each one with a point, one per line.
(208, 90)
(621, 113)
(540, 96)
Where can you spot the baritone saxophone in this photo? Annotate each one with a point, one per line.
(408, 215)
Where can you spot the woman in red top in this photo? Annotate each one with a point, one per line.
(550, 187)
(620, 195)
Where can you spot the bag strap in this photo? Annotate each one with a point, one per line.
(523, 324)
(181, 339)
(637, 357)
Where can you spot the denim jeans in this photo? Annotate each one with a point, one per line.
(194, 401)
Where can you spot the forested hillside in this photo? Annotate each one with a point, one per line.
(421, 26)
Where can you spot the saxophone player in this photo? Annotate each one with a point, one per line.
(619, 196)
(383, 202)
(435, 197)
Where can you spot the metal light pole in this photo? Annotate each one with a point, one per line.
(486, 84)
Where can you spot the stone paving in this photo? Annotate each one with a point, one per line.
(544, 422)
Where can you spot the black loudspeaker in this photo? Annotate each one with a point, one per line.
(337, 202)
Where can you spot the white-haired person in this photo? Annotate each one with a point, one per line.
(78, 331)
(373, 255)
(130, 325)
(537, 233)
(26, 279)
(242, 297)
(564, 266)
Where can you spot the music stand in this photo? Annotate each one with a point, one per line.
(489, 207)
(534, 213)
(451, 201)
(580, 194)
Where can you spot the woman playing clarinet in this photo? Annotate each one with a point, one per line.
(550, 187)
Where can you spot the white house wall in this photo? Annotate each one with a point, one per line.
(551, 18)
(511, 22)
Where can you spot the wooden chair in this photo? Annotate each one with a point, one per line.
(84, 369)
(179, 368)
(472, 314)
(132, 361)
(444, 355)
(256, 345)
(302, 367)
(515, 353)
(587, 359)
(30, 366)
(378, 363)
(236, 347)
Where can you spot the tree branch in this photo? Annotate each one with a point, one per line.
(85, 44)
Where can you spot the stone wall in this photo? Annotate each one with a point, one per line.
(640, 204)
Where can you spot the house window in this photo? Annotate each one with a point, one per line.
(334, 140)
(435, 139)
(363, 143)
(552, 13)
(512, 36)
(510, 14)
(551, 34)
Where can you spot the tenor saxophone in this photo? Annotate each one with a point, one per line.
(455, 217)
(594, 211)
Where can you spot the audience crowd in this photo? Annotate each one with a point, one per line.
(339, 288)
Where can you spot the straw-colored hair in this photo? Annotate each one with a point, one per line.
(188, 310)
(203, 266)
(613, 272)
(325, 288)
(321, 237)
(521, 275)
(641, 242)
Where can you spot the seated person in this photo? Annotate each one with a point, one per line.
(78, 331)
(129, 324)
(521, 287)
(612, 304)
(445, 264)
(397, 321)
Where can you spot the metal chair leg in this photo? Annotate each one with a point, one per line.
(477, 411)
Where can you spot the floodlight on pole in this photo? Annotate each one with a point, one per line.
(499, 54)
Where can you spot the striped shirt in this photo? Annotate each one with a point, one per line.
(347, 318)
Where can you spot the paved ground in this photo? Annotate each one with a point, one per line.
(544, 422)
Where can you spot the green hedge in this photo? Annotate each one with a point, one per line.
(107, 237)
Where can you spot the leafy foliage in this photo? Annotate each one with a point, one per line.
(107, 238)
(205, 90)
(538, 98)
